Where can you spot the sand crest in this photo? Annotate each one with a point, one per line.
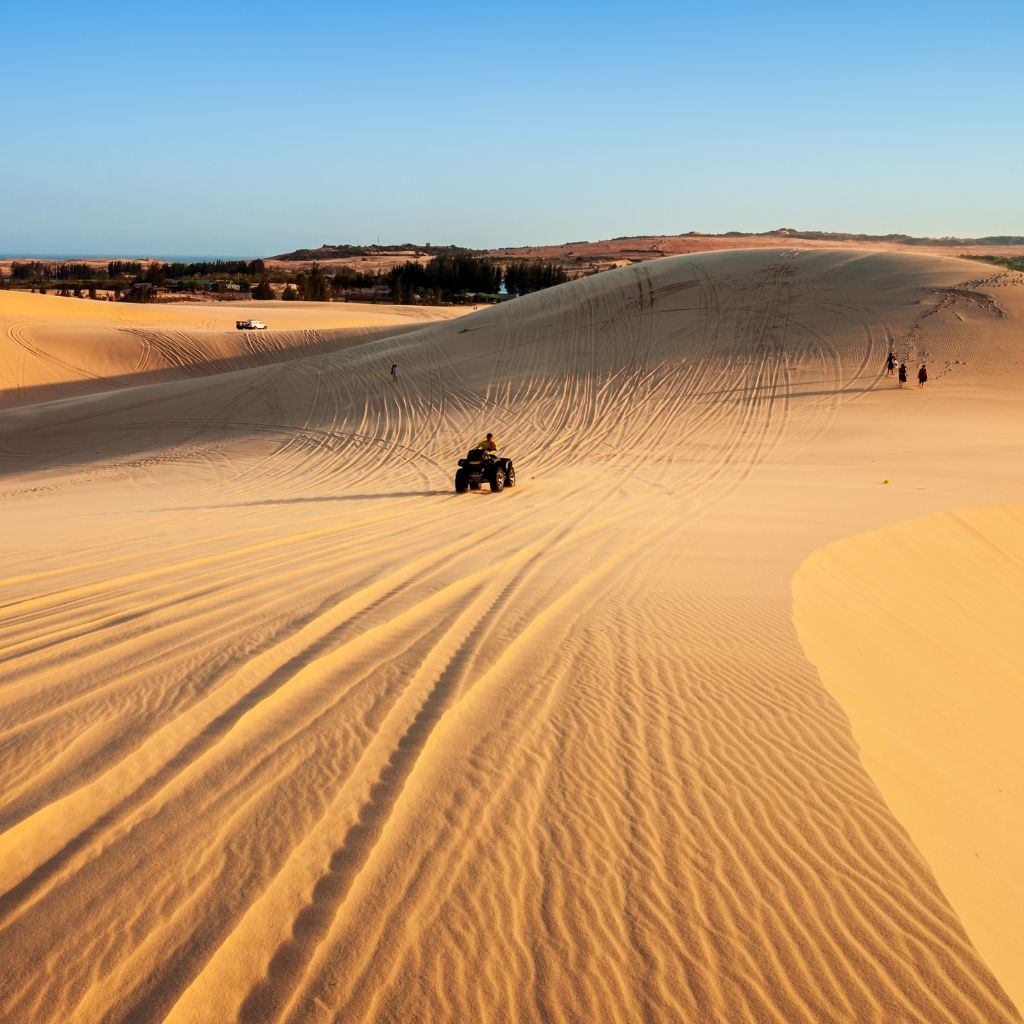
(926, 659)
(291, 732)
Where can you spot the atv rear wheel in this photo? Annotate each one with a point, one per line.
(497, 479)
(510, 476)
(461, 481)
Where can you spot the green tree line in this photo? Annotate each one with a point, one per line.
(35, 270)
(533, 276)
(449, 277)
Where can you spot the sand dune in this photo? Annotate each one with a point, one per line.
(290, 732)
(53, 346)
(937, 603)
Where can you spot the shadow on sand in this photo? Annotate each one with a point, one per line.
(323, 498)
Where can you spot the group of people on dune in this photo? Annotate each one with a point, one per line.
(890, 368)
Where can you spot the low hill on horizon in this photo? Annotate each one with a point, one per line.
(590, 256)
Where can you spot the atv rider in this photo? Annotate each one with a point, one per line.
(488, 444)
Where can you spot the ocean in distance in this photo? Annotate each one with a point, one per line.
(67, 257)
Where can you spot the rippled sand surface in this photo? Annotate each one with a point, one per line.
(291, 732)
(937, 601)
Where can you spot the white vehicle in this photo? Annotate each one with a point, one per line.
(250, 325)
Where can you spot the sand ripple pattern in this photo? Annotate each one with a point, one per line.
(290, 733)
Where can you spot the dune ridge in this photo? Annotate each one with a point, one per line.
(290, 732)
(936, 601)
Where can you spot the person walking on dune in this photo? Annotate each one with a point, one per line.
(922, 376)
(890, 364)
(903, 374)
(394, 372)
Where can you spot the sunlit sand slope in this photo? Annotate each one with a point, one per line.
(937, 602)
(290, 732)
(54, 346)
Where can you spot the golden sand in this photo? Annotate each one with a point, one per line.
(54, 346)
(291, 732)
(927, 659)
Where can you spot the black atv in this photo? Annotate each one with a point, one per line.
(480, 465)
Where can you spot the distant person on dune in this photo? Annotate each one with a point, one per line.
(922, 376)
(903, 374)
(488, 444)
(394, 372)
(890, 364)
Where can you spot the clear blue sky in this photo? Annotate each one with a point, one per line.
(255, 128)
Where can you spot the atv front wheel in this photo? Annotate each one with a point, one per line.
(461, 481)
(498, 479)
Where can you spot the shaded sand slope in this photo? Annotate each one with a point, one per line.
(52, 346)
(936, 603)
(289, 732)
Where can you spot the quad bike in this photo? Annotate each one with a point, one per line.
(480, 465)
